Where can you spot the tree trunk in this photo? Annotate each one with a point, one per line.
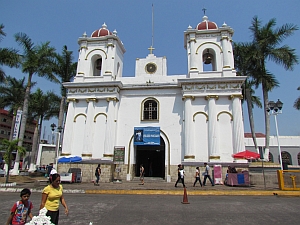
(34, 147)
(23, 124)
(267, 122)
(8, 167)
(61, 111)
(61, 120)
(13, 125)
(251, 120)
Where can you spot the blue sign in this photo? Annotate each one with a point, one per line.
(147, 136)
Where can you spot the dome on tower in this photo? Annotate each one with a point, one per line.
(101, 32)
(206, 24)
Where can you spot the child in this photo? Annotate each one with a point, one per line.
(197, 177)
(21, 209)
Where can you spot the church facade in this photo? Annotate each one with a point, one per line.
(153, 118)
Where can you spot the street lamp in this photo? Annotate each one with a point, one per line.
(53, 125)
(275, 108)
(57, 146)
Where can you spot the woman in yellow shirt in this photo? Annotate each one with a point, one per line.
(51, 196)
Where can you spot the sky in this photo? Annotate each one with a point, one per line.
(63, 22)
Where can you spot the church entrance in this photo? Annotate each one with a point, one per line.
(153, 159)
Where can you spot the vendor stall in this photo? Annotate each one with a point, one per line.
(68, 177)
(238, 179)
(74, 174)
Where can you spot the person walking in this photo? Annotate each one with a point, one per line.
(97, 174)
(53, 171)
(52, 195)
(207, 175)
(48, 169)
(21, 209)
(181, 174)
(142, 174)
(197, 177)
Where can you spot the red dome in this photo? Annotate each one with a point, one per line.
(101, 32)
(206, 25)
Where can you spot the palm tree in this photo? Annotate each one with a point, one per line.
(297, 102)
(266, 40)
(11, 97)
(42, 107)
(242, 56)
(65, 69)
(9, 147)
(35, 60)
(8, 56)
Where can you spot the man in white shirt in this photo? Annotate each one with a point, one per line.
(53, 171)
(207, 175)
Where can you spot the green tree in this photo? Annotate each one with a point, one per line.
(11, 96)
(297, 102)
(266, 42)
(8, 56)
(36, 60)
(42, 107)
(65, 69)
(9, 147)
(242, 61)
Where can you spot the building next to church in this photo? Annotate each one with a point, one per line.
(158, 120)
(7, 128)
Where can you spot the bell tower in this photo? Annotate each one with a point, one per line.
(209, 50)
(100, 56)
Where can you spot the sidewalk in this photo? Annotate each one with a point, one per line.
(155, 188)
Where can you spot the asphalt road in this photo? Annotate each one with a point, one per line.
(166, 209)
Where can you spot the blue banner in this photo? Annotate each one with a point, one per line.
(147, 136)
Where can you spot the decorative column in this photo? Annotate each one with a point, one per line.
(89, 128)
(188, 129)
(213, 150)
(192, 42)
(81, 58)
(68, 130)
(224, 41)
(108, 73)
(117, 105)
(193, 62)
(238, 126)
(110, 129)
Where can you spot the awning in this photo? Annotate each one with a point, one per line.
(69, 159)
(246, 155)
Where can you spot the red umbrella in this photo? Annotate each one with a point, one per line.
(246, 155)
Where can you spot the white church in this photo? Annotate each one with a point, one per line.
(155, 119)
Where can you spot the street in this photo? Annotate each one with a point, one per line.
(166, 209)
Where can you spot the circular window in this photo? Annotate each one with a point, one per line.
(151, 68)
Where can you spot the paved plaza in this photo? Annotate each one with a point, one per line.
(159, 202)
(168, 209)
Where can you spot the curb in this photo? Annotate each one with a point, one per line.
(34, 190)
(169, 192)
(203, 193)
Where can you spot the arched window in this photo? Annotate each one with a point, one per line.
(150, 109)
(286, 158)
(97, 67)
(209, 60)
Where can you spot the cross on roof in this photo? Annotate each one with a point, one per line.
(151, 49)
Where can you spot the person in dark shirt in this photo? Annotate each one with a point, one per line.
(49, 168)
